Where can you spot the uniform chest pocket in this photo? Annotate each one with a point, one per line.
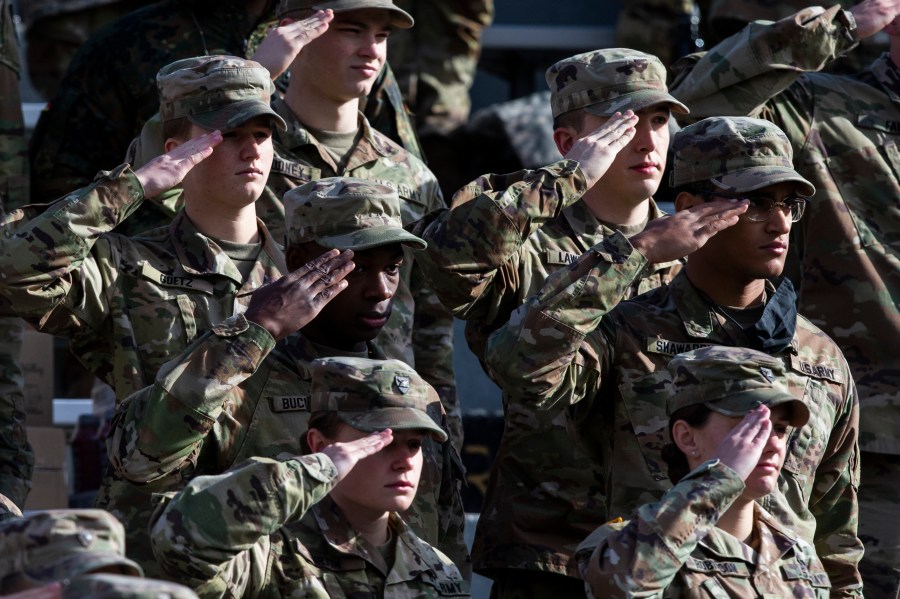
(644, 403)
(161, 330)
(867, 179)
(806, 445)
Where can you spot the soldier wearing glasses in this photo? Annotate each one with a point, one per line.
(574, 343)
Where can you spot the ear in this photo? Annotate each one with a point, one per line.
(172, 143)
(316, 440)
(565, 138)
(285, 21)
(683, 438)
(686, 200)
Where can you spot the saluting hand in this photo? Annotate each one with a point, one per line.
(741, 449)
(288, 304)
(166, 171)
(284, 42)
(346, 455)
(675, 236)
(596, 151)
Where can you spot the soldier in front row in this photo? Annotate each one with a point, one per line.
(730, 416)
(576, 344)
(321, 520)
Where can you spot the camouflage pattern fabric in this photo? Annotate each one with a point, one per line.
(266, 529)
(387, 112)
(16, 455)
(233, 395)
(662, 28)
(673, 549)
(575, 343)
(108, 92)
(503, 237)
(844, 133)
(420, 330)
(400, 19)
(436, 60)
(114, 586)
(126, 304)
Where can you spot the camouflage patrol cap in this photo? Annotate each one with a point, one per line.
(604, 82)
(399, 18)
(215, 92)
(736, 154)
(114, 586)
(347, 214)
(372, 395)
(61, 544)
(731, 381)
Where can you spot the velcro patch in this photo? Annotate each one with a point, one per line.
(671, 348)
(723, 568)
(183, 282)
(820, 371)
(290, 403)
(557, 257)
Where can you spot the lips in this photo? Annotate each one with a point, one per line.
(402, 485)
(374, 319)
(250, 171)
(778, 247)
(367, 70)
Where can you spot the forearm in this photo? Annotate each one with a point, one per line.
(210, 529)
(642, 557)
(484, 230)
(739, 75)
(545, 351)
(161, 429)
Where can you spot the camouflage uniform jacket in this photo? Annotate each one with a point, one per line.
(109, 91)
(575, 344)
(266, 529)
(845, 131)
(504, 235)
(232, 395)
(672, 549)
(127, 304)
(419, 330)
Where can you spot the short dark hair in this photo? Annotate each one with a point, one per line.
(676, 462)
(179, 128)
(327, 423)
(574, 119)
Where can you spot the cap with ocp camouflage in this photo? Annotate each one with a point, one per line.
(114, 586)
(604, 82)
(372, 395)
(731, 381)
(347, 214)
(736, 154)
(59, 544)
(399, 18)
(216, 92)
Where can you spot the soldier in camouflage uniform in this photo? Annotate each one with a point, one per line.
(729, 417)
(245, 391)
(667, 28)
(844, 131)
(504, 235)
(323, 524)
(82, 549)
(577, 343)
(129, 304)
(328, 137)
(16, 455)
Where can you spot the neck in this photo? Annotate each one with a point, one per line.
(738, 520)
(723, 289)
(373, 526)
(615, 212)
(323, 334)
(322, 113)
(237, 227)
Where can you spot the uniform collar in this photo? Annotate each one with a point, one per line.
(774, 542)
(588, 229)
(200, 255)
(888, 75)
(302, 352)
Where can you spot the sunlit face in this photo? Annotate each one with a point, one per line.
(384, 482)
(344, 62)
(637, 170)
(764, 478)
(235, 174)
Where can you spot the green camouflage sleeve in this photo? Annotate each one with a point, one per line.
(13, 148)
(640, 557)
(159, 431)
(214, 534)
(738, 76)
(50, 273)
(544, 352)
(473, 246)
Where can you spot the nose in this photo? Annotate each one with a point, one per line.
(404, 456)
(380, 287)
(251, 149)
(370, 46)
(780, 220)
(644, 136)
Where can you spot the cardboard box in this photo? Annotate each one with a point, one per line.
(37, 368)
(49, 488)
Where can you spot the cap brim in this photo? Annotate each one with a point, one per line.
(757, 177)
(236, 114)
(83, 562)
(739, 404)
(636, 101)
(365, 239)
(400, 18)
(397, 419)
